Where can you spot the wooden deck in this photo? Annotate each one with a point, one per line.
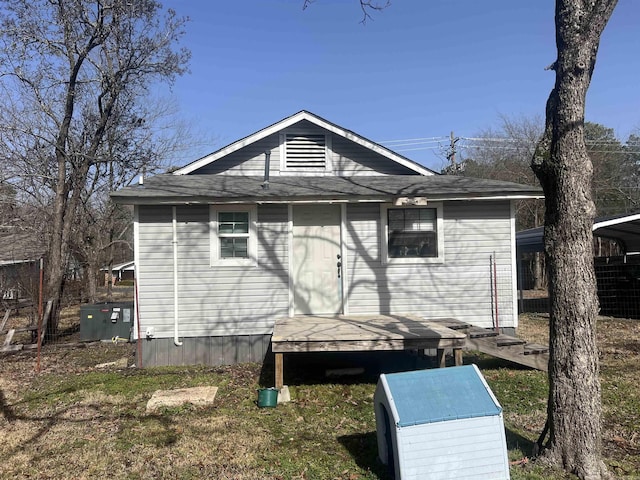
(351, 333)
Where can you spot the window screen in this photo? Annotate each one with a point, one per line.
(412, 232)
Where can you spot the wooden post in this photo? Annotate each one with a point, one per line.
(441, 358)
(279, 370)
(457, 352)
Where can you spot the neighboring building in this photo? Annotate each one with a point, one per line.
(306, 217)
(120, 272)
(20, 254)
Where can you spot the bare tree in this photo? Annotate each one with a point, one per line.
(76, 73)
(504, 153)
(565, 171)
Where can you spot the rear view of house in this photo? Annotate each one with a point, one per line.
(305, 217)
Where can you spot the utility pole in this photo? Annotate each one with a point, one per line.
(451, 155)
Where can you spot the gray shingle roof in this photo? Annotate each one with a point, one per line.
(167, 188)
(20, 246)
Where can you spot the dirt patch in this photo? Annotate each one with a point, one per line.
(198, 396)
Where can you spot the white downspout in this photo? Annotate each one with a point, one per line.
(176, 340)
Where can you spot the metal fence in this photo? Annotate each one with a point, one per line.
(21, 328)
(618, 282)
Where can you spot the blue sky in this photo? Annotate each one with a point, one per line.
(417, 69)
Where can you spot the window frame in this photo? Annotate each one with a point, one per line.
(252, 244)
(384, 238)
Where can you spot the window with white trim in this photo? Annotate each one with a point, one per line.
(303, 151)
(233, 234)
(412, 234)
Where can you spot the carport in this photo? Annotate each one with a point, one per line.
(618, 276)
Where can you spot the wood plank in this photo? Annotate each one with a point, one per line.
(364, 345)
(20, 329)
(457, 354)
(488, 345)
(441, 358)
(507, 340)
(45, 320)
(7, 341)
(11, 348)
(452, 323)
(477, 332)
(7, 313)
(279, 370)
(346, 328)
(535, 349)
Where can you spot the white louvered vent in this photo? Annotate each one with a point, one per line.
(305, 152)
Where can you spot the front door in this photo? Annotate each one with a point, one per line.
(315, 259)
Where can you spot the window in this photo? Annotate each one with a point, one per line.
(412, 234)
(301, 151)
(233, 235)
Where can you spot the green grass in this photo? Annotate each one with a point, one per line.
(93, 423)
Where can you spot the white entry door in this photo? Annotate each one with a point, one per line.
(315, 259)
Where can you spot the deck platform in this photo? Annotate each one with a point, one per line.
(352, 333)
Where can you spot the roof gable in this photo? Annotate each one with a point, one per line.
(308, 118)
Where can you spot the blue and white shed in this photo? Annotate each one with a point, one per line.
(441, 423)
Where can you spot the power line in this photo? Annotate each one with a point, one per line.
(414, 139)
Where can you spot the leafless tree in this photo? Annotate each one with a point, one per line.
(75, 75)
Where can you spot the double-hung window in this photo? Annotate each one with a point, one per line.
(233, 234)
(412, 234)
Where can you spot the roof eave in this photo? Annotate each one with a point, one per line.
(200, 200)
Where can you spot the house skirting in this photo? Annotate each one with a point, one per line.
(222, 350)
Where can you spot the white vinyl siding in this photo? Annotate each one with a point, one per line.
(233, 300)
(245, 300)
(347, 159)
(350, 159)
(459, 287)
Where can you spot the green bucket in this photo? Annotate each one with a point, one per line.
(267, 397)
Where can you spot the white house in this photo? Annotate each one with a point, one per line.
(306, 217)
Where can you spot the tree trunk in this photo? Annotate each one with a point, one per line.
(57, 253)
(565, 172)
(91, 278)
(539, 282)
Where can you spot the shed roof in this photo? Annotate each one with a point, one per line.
(180, 189)
(430, 396)
(20, 247)
(623, 228)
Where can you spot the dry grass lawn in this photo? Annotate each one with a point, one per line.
(73, 420)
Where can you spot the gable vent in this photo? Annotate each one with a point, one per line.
(306, 152)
